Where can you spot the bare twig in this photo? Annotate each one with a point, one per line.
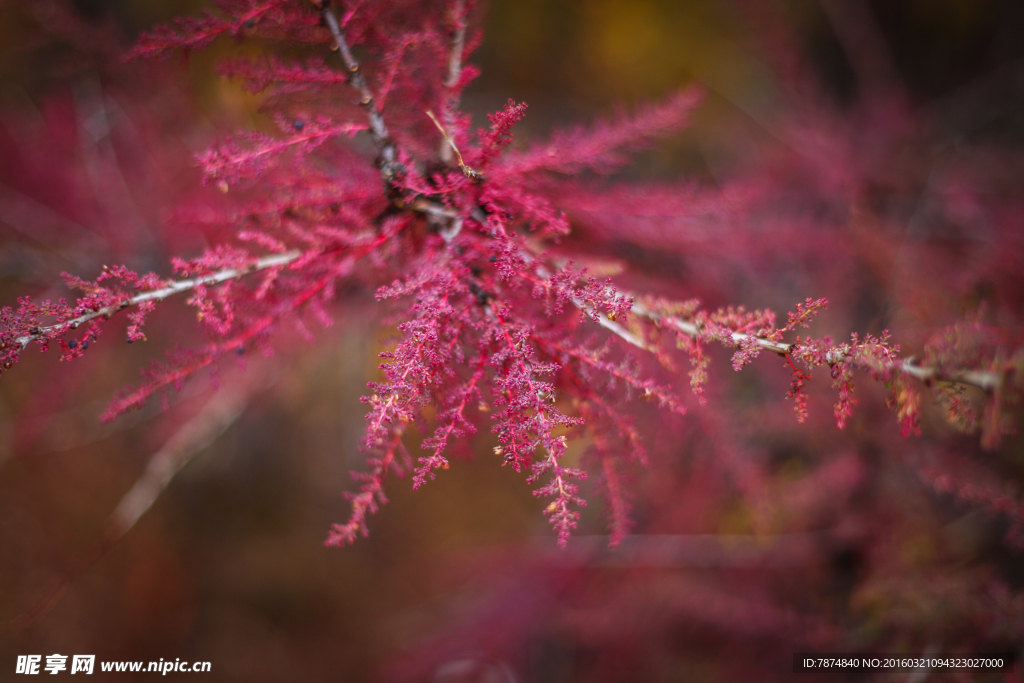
(987, 381)
(691, 329)
(458, 44)
(175, 287)
(454, 72)
(388, 161)
(466, 170)
(614, 327)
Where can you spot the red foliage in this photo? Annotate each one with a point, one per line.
(495, 259)
(476, 250)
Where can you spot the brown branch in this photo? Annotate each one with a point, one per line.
(458, 44)
(388, 161)
(454, 74)
(466, 170)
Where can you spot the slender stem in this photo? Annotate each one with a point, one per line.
(454, 74)
(194, 436)
(693, 330)
(466, 170)
(458, 44)
(175, 287)
(388, 161)
(988, 381)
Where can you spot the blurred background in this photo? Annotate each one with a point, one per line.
(872, 151)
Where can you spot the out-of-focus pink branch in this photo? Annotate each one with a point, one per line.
(220, 412)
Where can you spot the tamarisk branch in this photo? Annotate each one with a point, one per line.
(987, 381)
(175, 287)
(388, 161)
(469, 252)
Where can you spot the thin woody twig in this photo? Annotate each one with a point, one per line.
(466, 170)
(388, 161)
(454, 71)
(614, 327)
(987, 381)
(458, 44)
(691, 329)
(175, 287)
